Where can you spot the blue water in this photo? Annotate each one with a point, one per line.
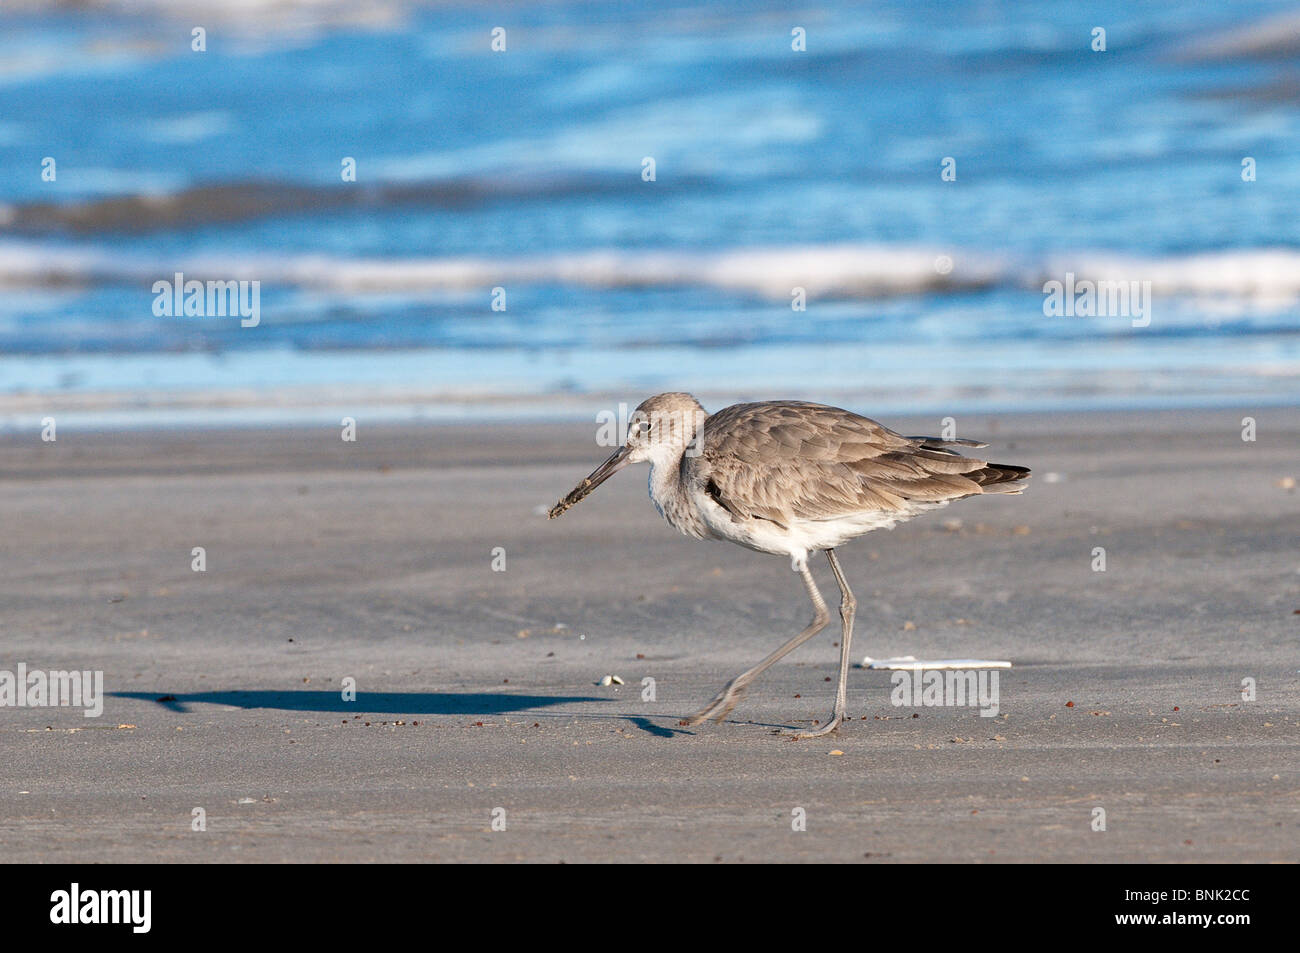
(527, 164)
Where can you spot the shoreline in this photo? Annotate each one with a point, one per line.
(24, 415)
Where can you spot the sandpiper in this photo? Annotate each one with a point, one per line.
(790, 478)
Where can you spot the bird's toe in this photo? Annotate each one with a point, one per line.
(718, 709)
(825, 729)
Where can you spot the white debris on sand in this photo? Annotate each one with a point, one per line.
(911, 663)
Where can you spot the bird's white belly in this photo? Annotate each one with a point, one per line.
(801, 536)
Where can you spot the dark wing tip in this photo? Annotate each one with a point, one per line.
(998, 473)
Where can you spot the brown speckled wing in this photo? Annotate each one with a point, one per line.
(786, 460)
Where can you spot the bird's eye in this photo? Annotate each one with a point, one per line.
(644, 426)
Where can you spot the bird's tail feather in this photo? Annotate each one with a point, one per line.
(1001, 478)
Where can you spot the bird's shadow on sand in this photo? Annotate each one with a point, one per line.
(399, 704)
(659, 731)
(373, 703)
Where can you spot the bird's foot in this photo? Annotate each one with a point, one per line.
(825, 729)
(719, 708)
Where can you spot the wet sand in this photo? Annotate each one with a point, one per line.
(477, 689)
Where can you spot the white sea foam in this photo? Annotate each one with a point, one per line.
(1265, 275)
(1261, 274)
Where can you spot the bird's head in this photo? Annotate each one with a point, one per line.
(659, 431)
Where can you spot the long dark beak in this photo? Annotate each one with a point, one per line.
(617, 461)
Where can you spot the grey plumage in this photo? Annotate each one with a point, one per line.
(785, 459)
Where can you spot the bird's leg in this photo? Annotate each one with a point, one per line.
(848, 605)
(726, 699)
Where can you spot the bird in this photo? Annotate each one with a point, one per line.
(790, 478)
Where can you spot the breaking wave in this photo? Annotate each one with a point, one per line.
(845, 271)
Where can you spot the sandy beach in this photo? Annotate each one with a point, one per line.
(478, 689)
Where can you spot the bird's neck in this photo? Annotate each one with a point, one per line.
(668, 491)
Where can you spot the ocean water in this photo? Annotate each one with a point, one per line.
(523, 170)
